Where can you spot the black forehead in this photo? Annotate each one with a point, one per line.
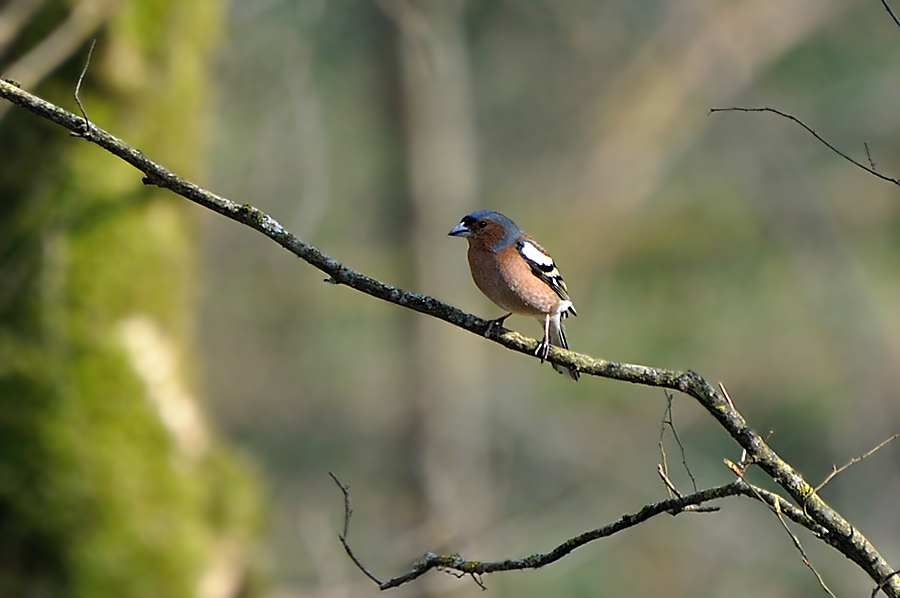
(489, 215)
(511, 232)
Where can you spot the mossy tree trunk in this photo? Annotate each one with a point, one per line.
(111, 483)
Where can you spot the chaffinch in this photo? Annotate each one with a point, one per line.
(517, 274)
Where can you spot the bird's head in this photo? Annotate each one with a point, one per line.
(487, 229)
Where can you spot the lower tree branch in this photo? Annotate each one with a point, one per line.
(476, 569)
(833, 528)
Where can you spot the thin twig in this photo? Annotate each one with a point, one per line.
(896, 20)
(348, 513)
(880, 586)
(725, 394)
(821, 139)
(673, 491)
(836, 470)
(776, 507)
(668, 420)
(663, 467)
(744, 462)
(87, 63)
(869, 155)
(776, 501)
(670, 487)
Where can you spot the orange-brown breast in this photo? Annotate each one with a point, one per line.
(507, 280)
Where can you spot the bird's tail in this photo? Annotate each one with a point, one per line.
(558, 338)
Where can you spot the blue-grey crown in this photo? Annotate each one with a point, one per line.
(512, 230)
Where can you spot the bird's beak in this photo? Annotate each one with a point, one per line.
(460, 230)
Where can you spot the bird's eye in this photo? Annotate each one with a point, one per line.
(482, 223)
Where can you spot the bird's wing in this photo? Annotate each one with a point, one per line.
(543, 267)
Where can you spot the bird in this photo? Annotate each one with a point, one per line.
(517, 274)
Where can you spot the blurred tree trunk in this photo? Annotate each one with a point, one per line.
(450, 382)
(111, 483)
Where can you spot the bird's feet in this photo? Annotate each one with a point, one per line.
(543, 349)
(498, 323)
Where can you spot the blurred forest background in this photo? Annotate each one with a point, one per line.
(732, 244)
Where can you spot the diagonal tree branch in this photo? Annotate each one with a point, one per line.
(836, 531)
(891, 12)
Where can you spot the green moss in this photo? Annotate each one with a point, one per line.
(805, 490)
(97, 496)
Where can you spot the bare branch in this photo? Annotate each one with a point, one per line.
(836, 470)
(664, 476)
(745, 461)
(478, 568)
(836, 531)
(463, 567)
(891, 12)
(348, 513)
(782, 505)
(869, 169)
(669, 421)
(776, 507)
(673, 491)
(869, 156)
(87, 63)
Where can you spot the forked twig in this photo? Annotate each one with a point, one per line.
(836, 470)
(673, 491)
(812, 132)
(668, 420)
(348, 512)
